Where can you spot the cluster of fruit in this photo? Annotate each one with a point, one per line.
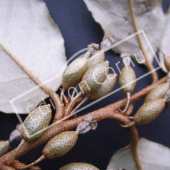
(91, 73)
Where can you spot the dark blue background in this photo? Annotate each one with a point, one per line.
(79, 29)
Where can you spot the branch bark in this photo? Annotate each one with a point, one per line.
(148, 62)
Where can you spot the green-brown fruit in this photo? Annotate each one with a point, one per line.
(60, 144)
(74, 72)
(36, 121)
(106, 87)
(127, 76)
(4, 147)
(94, 77)
(78, 166)
(157, 92)
(149, 111)
(167, 62)
(98, 57)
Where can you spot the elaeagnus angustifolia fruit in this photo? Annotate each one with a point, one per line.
(79, 166)
(158, 92)
(74, 72)
(98, 57)
(149, 111)
(94, 77)
(106, 87)
(127, 79)
(60, 145)
(34, 125)
(57, 146)
(36, 121)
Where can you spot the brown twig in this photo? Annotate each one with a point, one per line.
(59, 106)
(108, 112)
(133, 146)
(77, 100)
(134, 139)
(148, 62)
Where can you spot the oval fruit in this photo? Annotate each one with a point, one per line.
(149, 111)
(60, 144)
(157, 92)
(36, 121)
(94, 77)
(79, 166)
(127, 79)
(106, 87)
(98, 57)
(74, 72)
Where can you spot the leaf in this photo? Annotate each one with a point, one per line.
(115, 19)
(31, 35)
(164, 47)
(153, 156)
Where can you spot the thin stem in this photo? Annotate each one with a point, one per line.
(74, 91)
(72, 101)
(17, 165)
(128, 125)
(129, 110)
(148, 62)
(82, 102)
(65, 99)
(130, 117)
(77, 100)
(33, 163)
(127, 104)
(18, 148)
(62, 94)
(26, 70)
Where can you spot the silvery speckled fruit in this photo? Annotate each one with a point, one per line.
(157, 92)
(127, 79)
(60, 144)
(98, 57)
(36, 121)
(74, 72)
(106, 87)
(94, 77)
(149, 111)
(57, 146)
